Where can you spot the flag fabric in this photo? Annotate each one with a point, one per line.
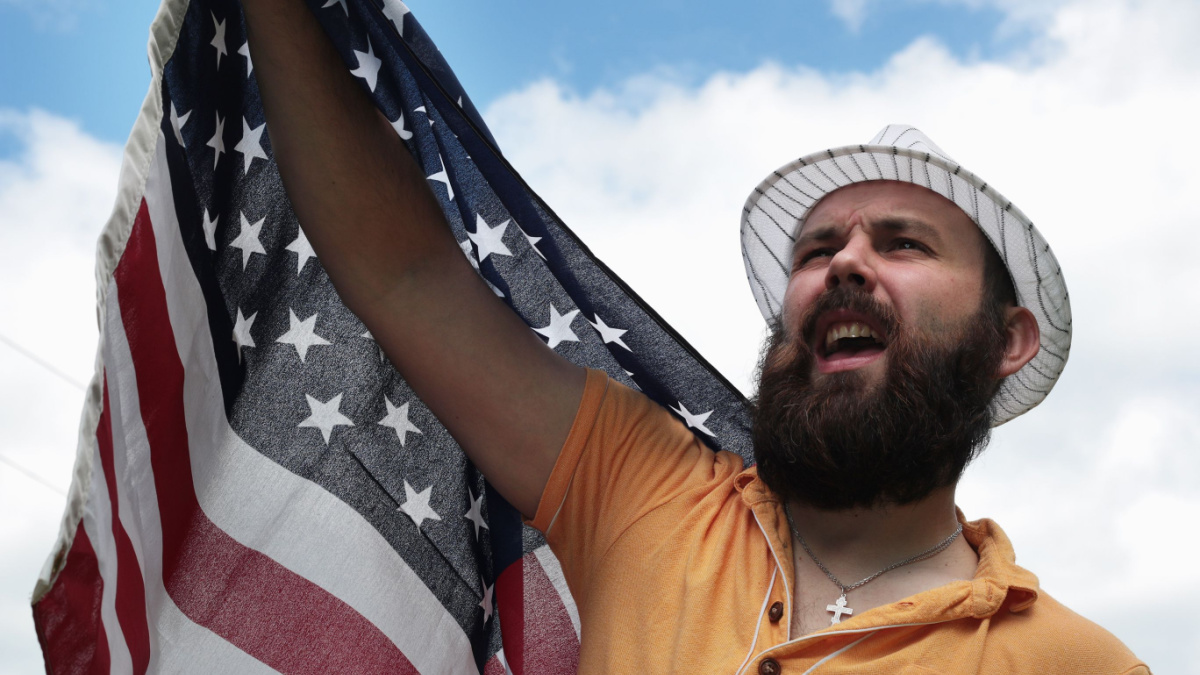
(256, 488)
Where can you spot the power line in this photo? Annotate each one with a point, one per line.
(42, 362)
(32, 475)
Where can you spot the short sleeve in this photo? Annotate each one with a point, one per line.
(624, 457)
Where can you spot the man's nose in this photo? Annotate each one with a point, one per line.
(852, 265)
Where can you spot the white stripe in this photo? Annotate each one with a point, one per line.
(554, 571)
(177, 644)
(97, 522)
(272, 510)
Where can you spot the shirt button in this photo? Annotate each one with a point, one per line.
(769, 667)
(776, 612)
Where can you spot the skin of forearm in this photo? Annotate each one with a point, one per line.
(361, 198)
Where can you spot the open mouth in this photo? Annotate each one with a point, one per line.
(848, 342)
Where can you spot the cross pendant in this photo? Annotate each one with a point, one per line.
(838, 610)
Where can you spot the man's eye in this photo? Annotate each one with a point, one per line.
(816, 253)
(907, 245)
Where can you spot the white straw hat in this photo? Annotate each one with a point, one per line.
(775, 212)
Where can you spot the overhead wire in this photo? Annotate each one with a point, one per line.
(50, 368)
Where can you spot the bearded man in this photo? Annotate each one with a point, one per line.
(913, 308)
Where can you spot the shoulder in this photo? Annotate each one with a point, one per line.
(1049, 637)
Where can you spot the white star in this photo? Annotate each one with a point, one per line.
(325, 416)
(302, 249)
(368, 66)
(465, 245)
(247, 240)
(331, 3)
(416, 505)
(398, 125)
(486, 603)
(210, 230)
(693, 420)
(559, 329)
(241, 332)
(459, 101)
(489, 240)
(532, 242)
(475, 513)
(608, 333)
(301, 334)
(421, 109)
(251, 144)
(244, 50)
(177, 123)
(395, 11)
(397, 419)
(218, 40)
(382, 356)
(217, 142)
(443, 177)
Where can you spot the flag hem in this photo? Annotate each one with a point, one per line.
(135, 163)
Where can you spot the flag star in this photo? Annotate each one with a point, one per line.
(210, 230)
(695, 421)
(331, 3)
(443, 177)
(465, 245)
(301, 334)
(486, 603)
(247, 240)
(177, 122)
(559, 329)
(217, 142)
(368, 66)
(218, 40)
(251, 144)
(325, 416)
(416, 505)
(475, 513)
(244, 50)
(609, 334)
(489, 240)
(395, 10)
(398, 125)
(421, 109)
(397, 419)
(241, 332)
(382, 356)
(532, 242)
(302, 249)
(459, 101)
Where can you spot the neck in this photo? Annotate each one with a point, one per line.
(863, 538)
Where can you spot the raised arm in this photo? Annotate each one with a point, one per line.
(368, 211)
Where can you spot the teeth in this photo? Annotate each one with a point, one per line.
(848, 330)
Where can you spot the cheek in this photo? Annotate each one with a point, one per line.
(938, 301)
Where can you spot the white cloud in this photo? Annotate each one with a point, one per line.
(851, 12)
(54, 195)
(1089, 130)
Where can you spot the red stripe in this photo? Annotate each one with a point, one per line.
(67, 618)
(551, 645)
(271, 613)
(510, 606)
(130, 597)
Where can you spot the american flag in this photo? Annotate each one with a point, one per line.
(256, 488)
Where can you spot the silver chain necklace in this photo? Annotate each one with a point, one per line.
(839, 608)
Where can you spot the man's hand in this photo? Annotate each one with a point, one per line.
(367, 209)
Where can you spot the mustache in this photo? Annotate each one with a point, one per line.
(853, 300)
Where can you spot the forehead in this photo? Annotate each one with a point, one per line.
(874, 202)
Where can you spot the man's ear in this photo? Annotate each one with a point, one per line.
(1024, 340)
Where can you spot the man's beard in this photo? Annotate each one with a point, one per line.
(842, 443)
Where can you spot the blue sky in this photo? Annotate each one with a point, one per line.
(86, 60)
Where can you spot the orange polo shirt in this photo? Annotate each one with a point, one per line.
(675, 555)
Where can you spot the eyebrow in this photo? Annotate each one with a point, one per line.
(893, 224)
